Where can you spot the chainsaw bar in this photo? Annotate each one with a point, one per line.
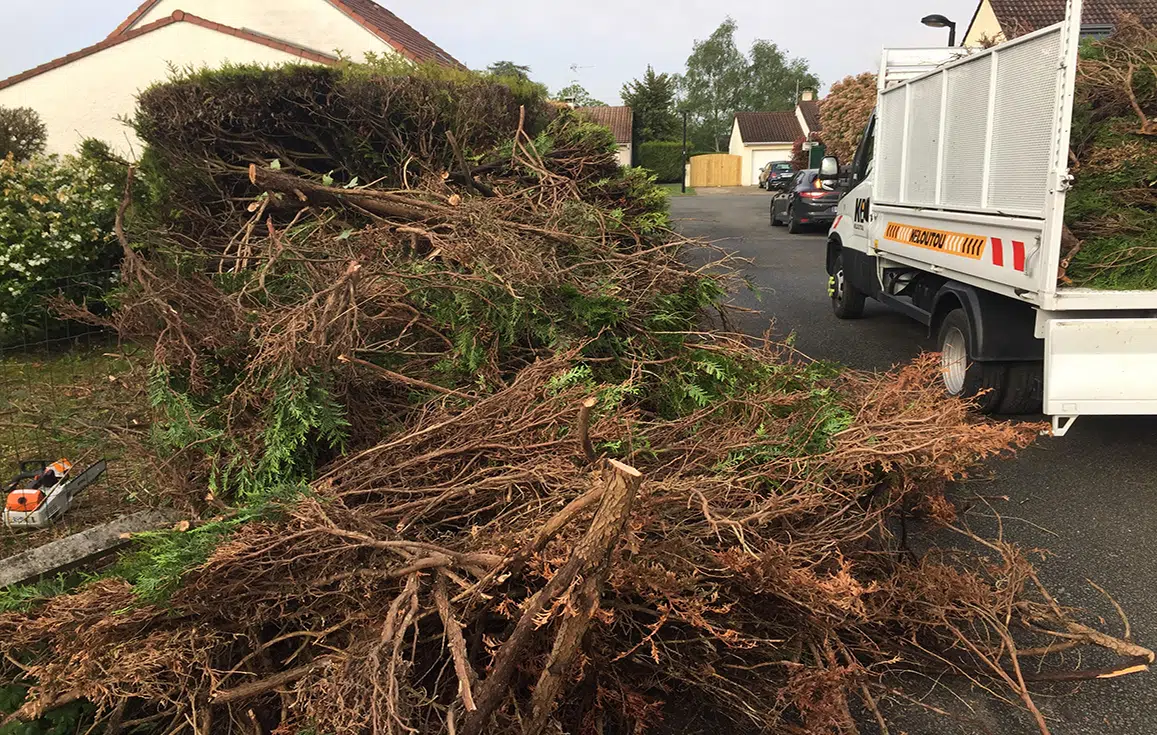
(78, 484)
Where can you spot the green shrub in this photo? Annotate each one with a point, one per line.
(56, 233)
(22, 133)
(663, 159)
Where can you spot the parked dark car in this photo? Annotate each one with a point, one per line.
(775, 175)
(807, 201)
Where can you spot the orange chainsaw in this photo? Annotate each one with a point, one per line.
(44, 491)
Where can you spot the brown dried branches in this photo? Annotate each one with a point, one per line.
(468, 574)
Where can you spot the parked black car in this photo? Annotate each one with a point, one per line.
(775, 175)
(807, 201)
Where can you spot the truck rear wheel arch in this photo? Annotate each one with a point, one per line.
(1002, 329)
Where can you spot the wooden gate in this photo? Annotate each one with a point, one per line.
(716, 169)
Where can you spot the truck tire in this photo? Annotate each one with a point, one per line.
(847, 300)
(1024, 392)
(984, 383)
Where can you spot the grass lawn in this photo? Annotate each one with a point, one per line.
(83, 404)
(676, 190)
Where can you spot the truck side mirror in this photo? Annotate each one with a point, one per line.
(830, 168)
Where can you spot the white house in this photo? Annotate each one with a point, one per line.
(807, 112)
(621, 121)
(759, 138)
(998, 20)
(83, 95)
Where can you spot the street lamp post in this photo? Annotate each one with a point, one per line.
(940, 21)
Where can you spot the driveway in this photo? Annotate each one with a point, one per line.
(1090, 498)
(732, 191)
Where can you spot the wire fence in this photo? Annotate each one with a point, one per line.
(69, 390)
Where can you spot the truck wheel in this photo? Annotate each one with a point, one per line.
(793, 227)
(847, 300)
(983, 382)
(1024, 392)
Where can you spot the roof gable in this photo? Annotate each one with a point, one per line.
(177, 17)
(811, 115)
(768, 127)
(1018, 17)
(620, 120)
(368, 14)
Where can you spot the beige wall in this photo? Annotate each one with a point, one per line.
(314, 24)
(736, 148)
(985, 26)
(83, 99)
(625, 154)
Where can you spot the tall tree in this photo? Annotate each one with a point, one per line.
(652, 99)
(721, 80)
(714, 83)
(845, 113)
(578, 94)
(509, 69)
(773, 79)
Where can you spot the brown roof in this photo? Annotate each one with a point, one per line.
(178, 16)
(1023, 16)
(620, 120)
(371, 16)
(811, 114)
(768, 127)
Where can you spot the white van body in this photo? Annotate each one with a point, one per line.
(957, 205)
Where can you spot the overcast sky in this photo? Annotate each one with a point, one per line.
(607, 41)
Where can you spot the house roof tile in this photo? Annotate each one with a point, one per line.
(620, 120)
(1023, 16)
(811, 115)
(768, 127)
(367, 13)
(395, 31)
(178, 16)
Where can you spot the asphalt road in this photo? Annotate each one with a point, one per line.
(1089, 498)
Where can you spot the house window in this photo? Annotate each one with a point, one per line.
(1096, 32)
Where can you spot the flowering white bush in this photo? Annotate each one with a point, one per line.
(56, 234)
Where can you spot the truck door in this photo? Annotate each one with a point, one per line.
(859, 197)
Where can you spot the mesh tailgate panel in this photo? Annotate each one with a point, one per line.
(924, 140)
(1022, 126)
(966, 134)
(891, 141)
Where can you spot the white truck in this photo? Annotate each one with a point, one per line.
(955, 215)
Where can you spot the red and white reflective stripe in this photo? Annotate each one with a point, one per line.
(1017, 254)
(837, 222)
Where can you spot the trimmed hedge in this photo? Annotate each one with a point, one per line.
(664, 159)
(354, 124)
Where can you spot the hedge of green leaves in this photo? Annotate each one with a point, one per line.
(663, 159)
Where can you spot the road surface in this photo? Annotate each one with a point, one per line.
(1088, 498)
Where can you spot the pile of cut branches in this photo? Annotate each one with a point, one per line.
(1112, 208)
(477, 463)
